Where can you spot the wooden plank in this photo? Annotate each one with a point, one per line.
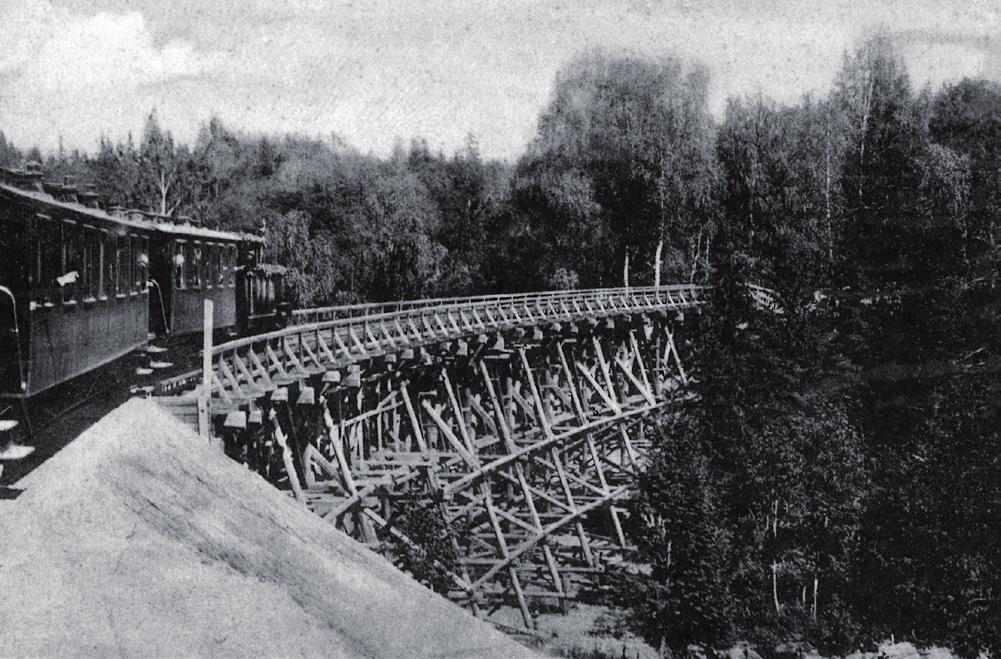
(273, 359)
(612, 405)
(259, 367)
(641, 387)
(324, 348)
(456, 443)
(205, 399)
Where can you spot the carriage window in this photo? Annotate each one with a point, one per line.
(223, 265)
(119, 243)
(209, 270)
(133, 256)
(101, 240)
(142, 263)
(199, 264)
(110, 266)
(137, 264)
(48, 261)
(85, 260)
(193, 262)
(91, 263)
(124, 264)
(217, 265)
(207, 265)
(72, 263)
(220, 268)
(178, 264)
(128, 266)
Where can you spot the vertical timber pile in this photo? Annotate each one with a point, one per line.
(205, 395)
(523, 437)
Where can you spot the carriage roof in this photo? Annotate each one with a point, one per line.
(140, 220)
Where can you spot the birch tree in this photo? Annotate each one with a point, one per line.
(160, 168)
(622, 163)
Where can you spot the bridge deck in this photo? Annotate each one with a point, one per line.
(331, 338)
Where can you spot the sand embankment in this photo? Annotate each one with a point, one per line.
(139, 540)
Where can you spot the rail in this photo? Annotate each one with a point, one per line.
(762, 295)
(319, 314)
(320, 340)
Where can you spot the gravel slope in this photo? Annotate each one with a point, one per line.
(138, 539)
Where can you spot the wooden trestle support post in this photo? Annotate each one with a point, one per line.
(522, 438)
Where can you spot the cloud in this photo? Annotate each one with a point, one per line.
(935, 55)
(377, 70)
(70, 72)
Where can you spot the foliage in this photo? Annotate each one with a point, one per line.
(770, 475)
(10, 156)
(828, 435)
(622, 161)
(688, 599)
(427, 553)
(931, 546)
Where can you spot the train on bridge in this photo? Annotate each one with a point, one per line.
(82, 285)
(519, 421)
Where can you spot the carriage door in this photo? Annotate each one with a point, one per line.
(10, 357)
(12, 314)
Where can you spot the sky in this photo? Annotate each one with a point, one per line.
(380, 71)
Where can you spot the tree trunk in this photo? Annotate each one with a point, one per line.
(865, 127)
(814, 609)
(827, 193)
(775, 587)
(625, 271)
(164, 189)
(656, 263)
(994, 251)
(696, 257)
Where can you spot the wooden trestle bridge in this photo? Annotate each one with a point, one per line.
(520, 417)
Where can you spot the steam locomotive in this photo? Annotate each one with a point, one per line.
(82, 286)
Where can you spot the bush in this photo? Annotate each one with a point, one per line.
(428, 553)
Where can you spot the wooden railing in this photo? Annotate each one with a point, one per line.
(320, 314)
(326, 339)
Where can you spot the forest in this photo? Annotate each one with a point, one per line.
(835, 479)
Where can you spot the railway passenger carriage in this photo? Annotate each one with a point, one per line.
(191, 265)
(74, 284)
(81, 287)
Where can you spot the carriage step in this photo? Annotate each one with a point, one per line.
(154, 350)
(160, 364)
(142, 370)
(13, 452)
(6, 425)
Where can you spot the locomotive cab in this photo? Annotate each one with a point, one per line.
(260, 292)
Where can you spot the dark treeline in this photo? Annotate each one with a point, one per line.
(350, 227)
(837, 476)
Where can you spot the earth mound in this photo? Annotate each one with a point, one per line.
(138, 539)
